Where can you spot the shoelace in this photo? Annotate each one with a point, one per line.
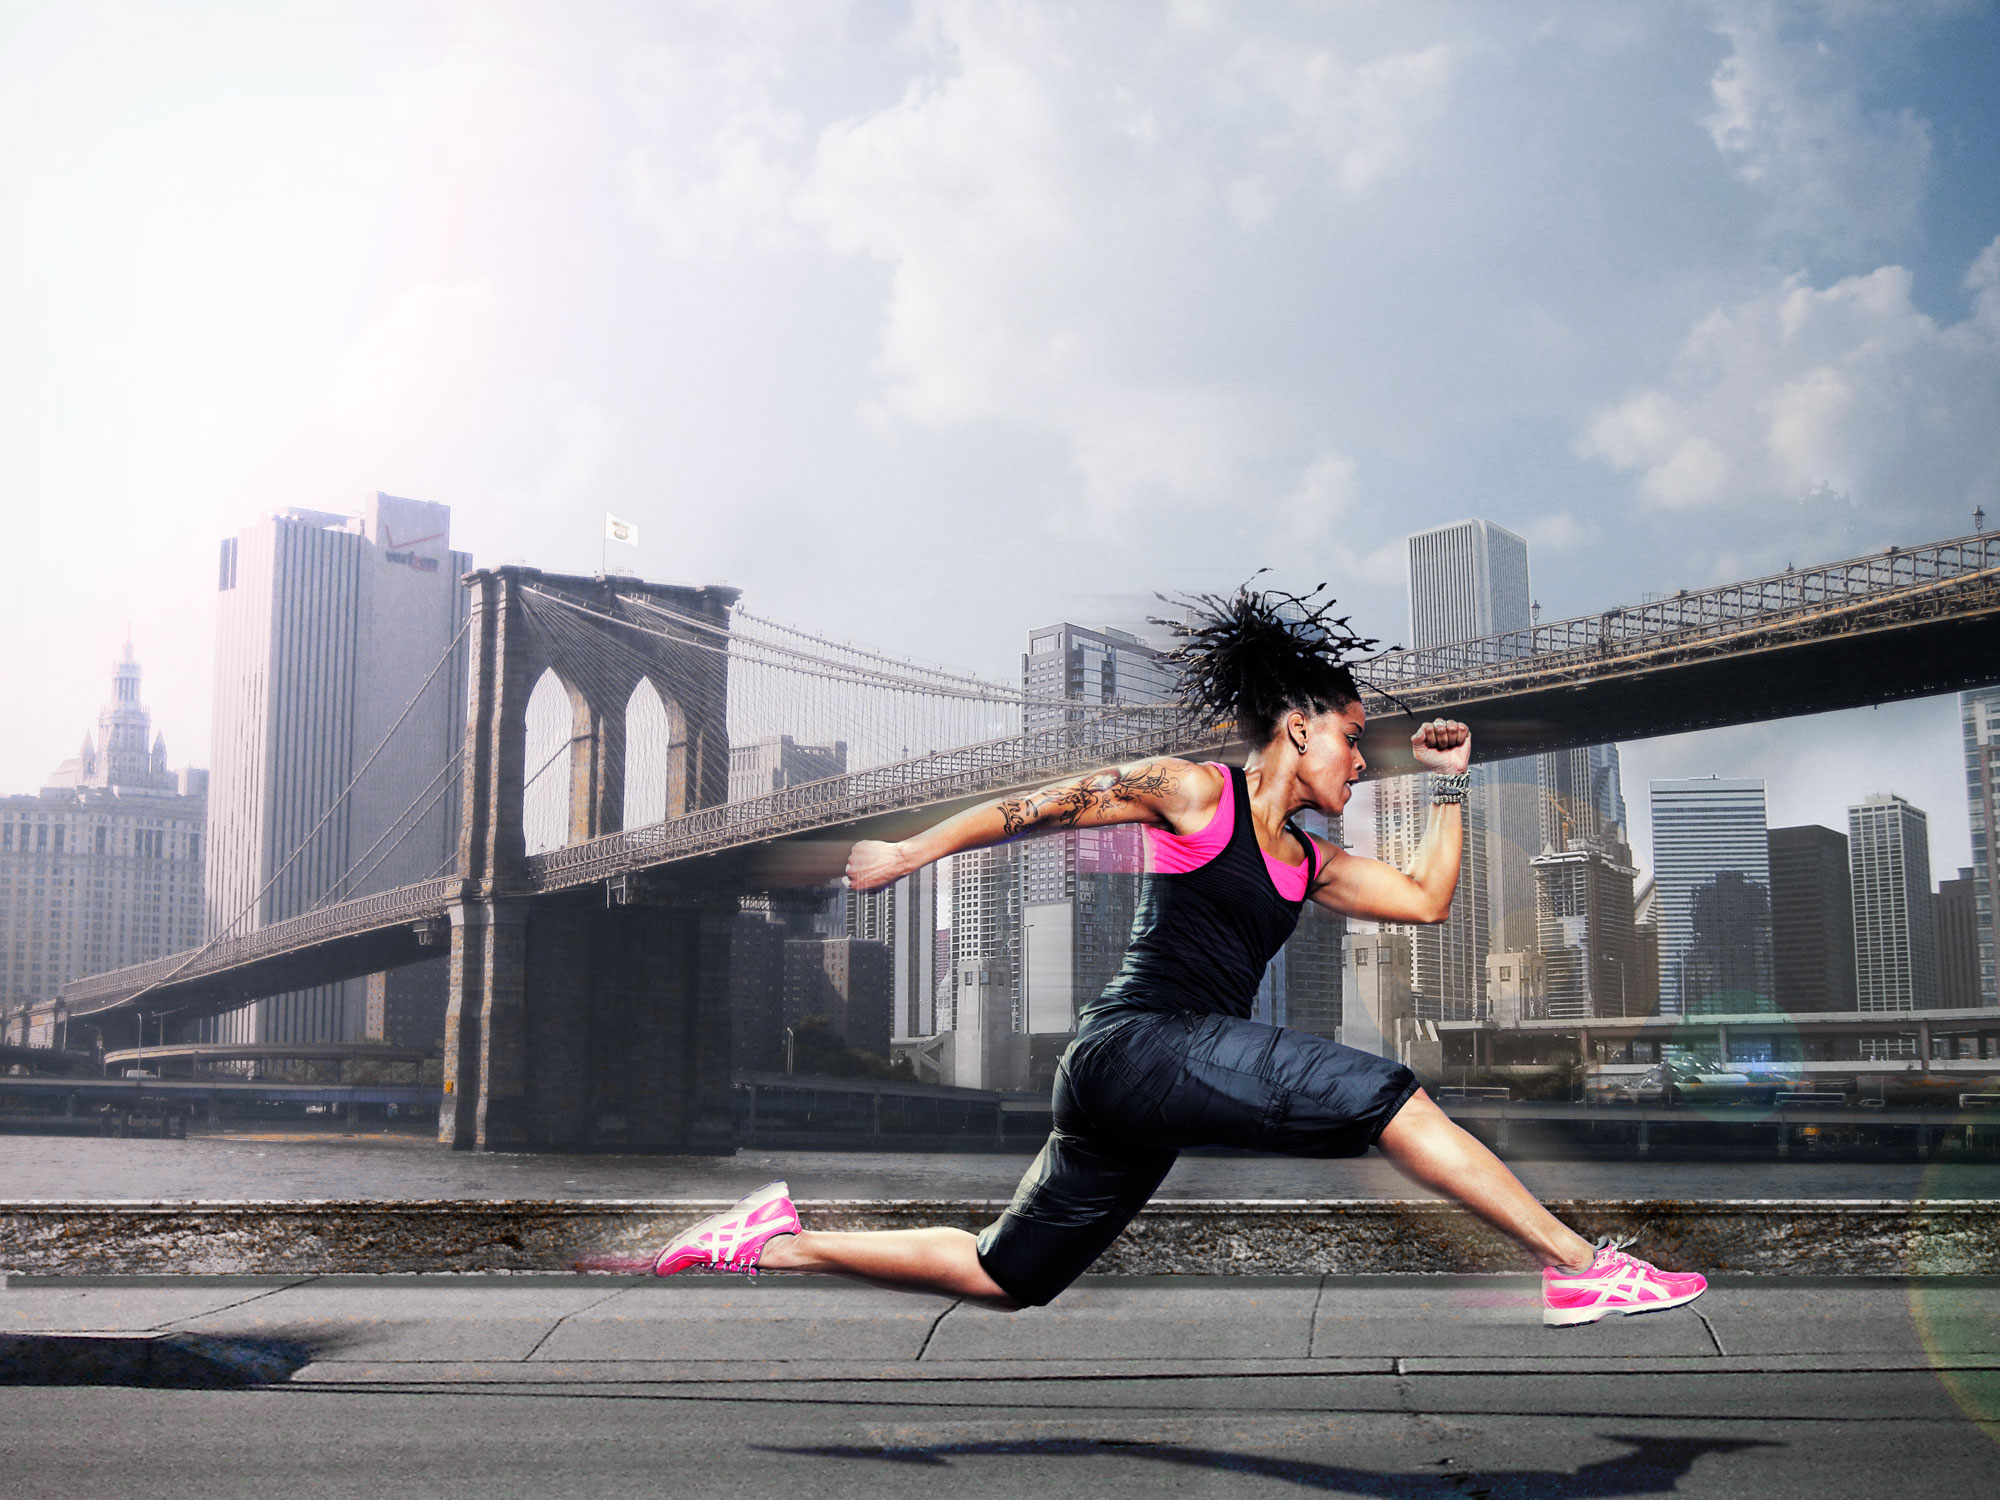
(1615, 1249)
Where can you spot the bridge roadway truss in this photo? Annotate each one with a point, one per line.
(1903, 623)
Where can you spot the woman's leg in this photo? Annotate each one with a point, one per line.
(1427, 1147)
(936, 1260)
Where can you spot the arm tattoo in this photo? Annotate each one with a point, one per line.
(1066, 805)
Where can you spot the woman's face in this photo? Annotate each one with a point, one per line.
(1332, 764)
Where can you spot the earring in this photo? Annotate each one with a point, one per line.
(1302, 746)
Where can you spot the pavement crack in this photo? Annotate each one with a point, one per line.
(258, 1296)
(550, 1331)
(1312, 1327)
(931, 1332)
(1711, 1331)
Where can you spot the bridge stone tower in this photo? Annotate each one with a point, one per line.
(593, 1018)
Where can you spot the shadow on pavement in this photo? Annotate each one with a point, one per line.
(178, 1362)
(1653, 1465)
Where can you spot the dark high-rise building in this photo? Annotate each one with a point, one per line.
(846, 982)
(1812, 920)
(1726, 967)
(1957, 911)
(757, 992)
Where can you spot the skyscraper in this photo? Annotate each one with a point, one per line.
(1889, 860)
(330, 631)
(1812, 920)
(1448, 959)
(103, 867)
(1467, 579)
(903, 917)
(1054, 912)
(1470, 579)
(1584, 933)
(1304, 985)
(1979, 718)
(1703, 829)
(1957, 942)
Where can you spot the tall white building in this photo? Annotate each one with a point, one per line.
(1889, 864)
(328, 627)
(1710, 841)
(1467, 579)
(103, 867)
(1979, 718)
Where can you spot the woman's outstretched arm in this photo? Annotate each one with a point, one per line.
(1380, 892)
(1165, 793)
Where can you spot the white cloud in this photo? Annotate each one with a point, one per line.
(1837, 176)
(1051, 196)
(1846, 389)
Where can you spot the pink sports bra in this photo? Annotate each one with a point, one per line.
(1178, 853)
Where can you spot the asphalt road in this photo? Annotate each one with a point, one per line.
(386, 1388)
(1538, 1436)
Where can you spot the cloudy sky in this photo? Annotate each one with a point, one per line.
(926, 323)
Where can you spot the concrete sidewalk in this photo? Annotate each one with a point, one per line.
(695, 1330)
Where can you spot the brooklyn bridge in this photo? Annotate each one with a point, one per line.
(588, 978)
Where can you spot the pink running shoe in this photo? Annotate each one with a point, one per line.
(733, 1240)
(1615, 1283)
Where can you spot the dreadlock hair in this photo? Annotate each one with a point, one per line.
(1256, 655)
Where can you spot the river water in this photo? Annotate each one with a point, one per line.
(293, 1167)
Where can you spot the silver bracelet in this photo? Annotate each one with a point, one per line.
(1448, 788)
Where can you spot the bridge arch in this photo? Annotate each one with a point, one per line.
(557, 719)
(655, 756)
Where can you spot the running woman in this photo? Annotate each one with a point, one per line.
(1168, 1057)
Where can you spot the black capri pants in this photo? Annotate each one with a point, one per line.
(1136, 1089)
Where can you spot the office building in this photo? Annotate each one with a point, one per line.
(903, 918)
(1303, 985)
(1467, 580)
(1054, 912)
(1448, 959)
(771, 764)
(1889, 864)
(757, 939)
(330, 631)
(104, 867)
(1584, 934)
(1726, 968)
(846, 983)
(1957, 912)
(1704, 829)
(1979, 719)
(1378, 1006)
(1812, 921)
(1583, 798)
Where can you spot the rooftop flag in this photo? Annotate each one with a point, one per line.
(616, 530)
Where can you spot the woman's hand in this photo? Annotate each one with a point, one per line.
(872, 864)
(1442, 745)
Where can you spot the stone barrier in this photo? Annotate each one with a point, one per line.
(1251, 1237)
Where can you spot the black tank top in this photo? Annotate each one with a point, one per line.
(1201, 938)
